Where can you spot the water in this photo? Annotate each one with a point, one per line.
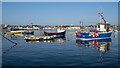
(60, 52)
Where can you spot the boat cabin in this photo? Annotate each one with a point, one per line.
(103, 27)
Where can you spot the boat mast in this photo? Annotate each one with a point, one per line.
(100, 16)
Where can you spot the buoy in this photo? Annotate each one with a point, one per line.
(89, 34)
(39, 33)
(93, 35)
(79, 33)
(96, 34)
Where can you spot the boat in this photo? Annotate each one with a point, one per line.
(101, 32)
(59, 33)
(14, 31)
(40, 38)
(28, 32)
(115, 30)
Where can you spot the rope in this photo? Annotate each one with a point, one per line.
(8, 39)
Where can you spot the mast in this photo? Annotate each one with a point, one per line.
(100, 16)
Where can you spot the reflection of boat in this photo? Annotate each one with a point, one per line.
(102, 31)
(99, 44)
(102, 45)
(60, 40)
(59, 33)
(48, 41)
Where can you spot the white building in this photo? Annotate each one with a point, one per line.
(73, 28)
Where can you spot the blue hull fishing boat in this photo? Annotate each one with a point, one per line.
(102, 31)
(87, 36)
(59, 33)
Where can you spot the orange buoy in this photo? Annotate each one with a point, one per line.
(79, 33)
(39, 33)
(89, 34)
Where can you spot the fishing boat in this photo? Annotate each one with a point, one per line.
(102, 31)
(59, 33)
(40, 38)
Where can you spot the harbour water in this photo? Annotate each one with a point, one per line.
(60, 51)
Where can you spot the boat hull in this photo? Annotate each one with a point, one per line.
(39, 38)
(28, 32)
(85, 36)
(15, 32)
(55, 34)
(96, 40)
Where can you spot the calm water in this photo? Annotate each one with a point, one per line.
(60, 52)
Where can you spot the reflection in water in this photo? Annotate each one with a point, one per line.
(102, 45)
(48, 41)
(60, 40)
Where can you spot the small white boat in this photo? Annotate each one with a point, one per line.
(40, 38)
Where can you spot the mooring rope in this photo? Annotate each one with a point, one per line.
(8, 39)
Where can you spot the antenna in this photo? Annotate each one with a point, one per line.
(81, 23)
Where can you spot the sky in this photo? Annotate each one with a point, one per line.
(58, 13)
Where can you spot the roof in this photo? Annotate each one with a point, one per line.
(103, 24)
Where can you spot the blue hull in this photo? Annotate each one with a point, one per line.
(54, 33)
(97, 40)
(32, 32)
(86, 36)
